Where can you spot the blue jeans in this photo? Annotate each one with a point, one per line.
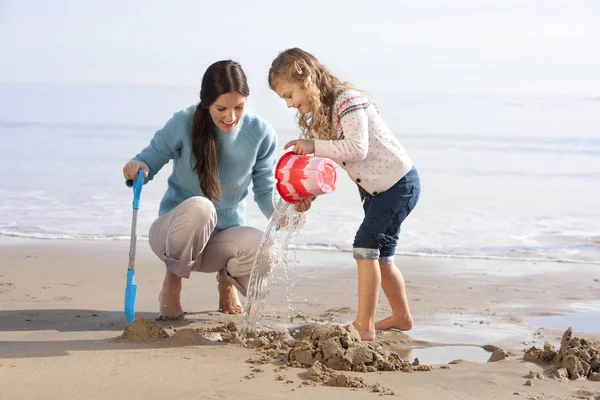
(378, 234)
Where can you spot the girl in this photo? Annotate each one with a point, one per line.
(341, 123)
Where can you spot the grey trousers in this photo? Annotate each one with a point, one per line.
(186, 240)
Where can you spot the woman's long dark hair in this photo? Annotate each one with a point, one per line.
(220, 78)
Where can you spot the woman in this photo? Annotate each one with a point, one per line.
(217, 149)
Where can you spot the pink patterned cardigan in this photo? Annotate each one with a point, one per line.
(365, 148)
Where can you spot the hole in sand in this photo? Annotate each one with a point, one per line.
(442, 354)
(474, 334)
(584, 317)
(584, 322)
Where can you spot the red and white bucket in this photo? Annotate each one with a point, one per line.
(302, 177)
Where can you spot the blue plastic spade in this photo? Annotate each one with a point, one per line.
(131, 287)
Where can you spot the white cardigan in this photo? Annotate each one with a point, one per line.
(365, 147)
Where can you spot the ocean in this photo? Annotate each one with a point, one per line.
(515, 177)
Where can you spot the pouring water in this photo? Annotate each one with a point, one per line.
(298, 177)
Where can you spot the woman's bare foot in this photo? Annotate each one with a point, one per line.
(366, 332)
(229, 303)
(170, 300)
(401, 323)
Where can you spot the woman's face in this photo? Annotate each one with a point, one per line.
(227, 110)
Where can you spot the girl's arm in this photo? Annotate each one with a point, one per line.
(354, 143)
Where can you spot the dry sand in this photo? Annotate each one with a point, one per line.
(63, 333)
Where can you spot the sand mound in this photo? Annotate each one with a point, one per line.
(498, 355)
(269, 345)
(144, 329)
(228, 333)
(185, 336)
(341, 348)
(576, 358)
(321, 374)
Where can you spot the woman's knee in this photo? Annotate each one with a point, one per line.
(197, 208)
(184, 229)
(250, 238)
(248, 241)
(195, 213)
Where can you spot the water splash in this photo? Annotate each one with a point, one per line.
(272, 253)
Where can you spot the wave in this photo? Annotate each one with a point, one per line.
(64, 236)
(320, 247)
(75, 125)
(433, 254)
(519, 141)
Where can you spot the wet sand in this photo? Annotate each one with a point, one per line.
(62, 325)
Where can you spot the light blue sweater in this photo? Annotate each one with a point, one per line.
(245, 155)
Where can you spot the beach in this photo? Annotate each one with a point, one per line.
(497, 105)
(61, 321)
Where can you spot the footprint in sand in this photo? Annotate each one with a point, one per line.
(587, 395)
(340, 310)
(6, 286)
(64, 299)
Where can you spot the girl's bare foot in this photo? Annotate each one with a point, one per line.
(229, 303)
(366, 332)
(404, 323)
(170, 301)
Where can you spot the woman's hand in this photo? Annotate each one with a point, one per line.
(301, 146)
(130, 170)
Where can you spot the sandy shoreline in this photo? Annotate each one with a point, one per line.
(61, 309)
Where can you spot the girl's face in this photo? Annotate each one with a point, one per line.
(227, 111)
(294, 96)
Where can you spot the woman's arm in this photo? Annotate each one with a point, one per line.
(163, 147)
(263, 173)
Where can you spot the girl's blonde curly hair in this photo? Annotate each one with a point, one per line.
(298, 66)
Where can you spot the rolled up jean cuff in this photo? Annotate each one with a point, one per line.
(360, 253)
(386, 260)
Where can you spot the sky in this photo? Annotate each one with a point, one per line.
(431, 46)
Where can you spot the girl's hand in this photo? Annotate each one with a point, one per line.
(301, 207)
(301, 146)
(130, 170)
(304, 204)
